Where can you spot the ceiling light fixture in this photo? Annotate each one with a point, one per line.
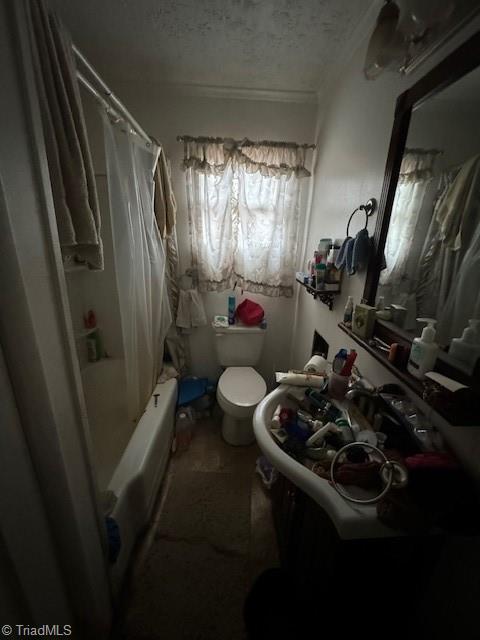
(400, 28)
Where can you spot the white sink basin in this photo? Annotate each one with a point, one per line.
(351, 521)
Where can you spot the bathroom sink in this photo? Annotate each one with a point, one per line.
(351, 521)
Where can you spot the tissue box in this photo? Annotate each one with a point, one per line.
(363, 321)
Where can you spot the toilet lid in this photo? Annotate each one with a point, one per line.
(242, 386)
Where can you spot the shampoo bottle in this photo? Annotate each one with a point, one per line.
(424, 350)
(231, 309)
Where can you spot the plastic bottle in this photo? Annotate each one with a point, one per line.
(467, 348)
(231, 309)
(320, 271)
(332, 275)
(183, 429)
(92, 353)
(347, 314)
(424, 350)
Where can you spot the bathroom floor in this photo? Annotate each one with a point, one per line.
(211, 535)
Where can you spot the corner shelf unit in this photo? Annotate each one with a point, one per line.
(327, 297)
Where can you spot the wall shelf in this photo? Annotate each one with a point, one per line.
(327, 297)
(402, 374)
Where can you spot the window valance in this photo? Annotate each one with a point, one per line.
(272, 159)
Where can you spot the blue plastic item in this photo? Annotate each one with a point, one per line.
(191, 389)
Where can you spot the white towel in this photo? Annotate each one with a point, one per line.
(191, 312)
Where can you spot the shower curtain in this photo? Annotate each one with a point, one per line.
(139, 259)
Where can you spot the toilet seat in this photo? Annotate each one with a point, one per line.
(242, 387)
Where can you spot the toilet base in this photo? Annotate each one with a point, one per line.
(237, 431)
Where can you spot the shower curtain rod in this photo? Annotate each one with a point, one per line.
(106, 97)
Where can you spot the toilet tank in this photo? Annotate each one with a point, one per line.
(238, 345)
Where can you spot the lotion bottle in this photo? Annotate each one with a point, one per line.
(467, 348)
(424, 350)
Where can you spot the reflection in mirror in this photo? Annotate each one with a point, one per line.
(432, 252)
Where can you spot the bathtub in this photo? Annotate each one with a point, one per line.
(130, 459)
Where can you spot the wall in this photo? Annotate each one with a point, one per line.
(166, 115)
(353, 145)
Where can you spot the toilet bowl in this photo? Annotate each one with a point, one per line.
(239, 391)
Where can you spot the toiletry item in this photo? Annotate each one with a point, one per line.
(348, 313)
(424, 350)
(320, 271)
(382, 312)
(466, 349)
(320, 433)
(339, 360)
(183, 428)
(332, 275)
(220, 321)
(363, 320)
(98, 344)
(90, 320)
(231, 309)
(337, 385)
(392, 352)
(349, 362)
(300, 379)
(323, 247)
(275, 423)
(91, 348)
(398, 314)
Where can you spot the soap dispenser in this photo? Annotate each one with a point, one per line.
(467, 348)
(424, 350)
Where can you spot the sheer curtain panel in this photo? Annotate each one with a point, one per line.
(243, 204)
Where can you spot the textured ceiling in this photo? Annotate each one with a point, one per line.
(286, 45)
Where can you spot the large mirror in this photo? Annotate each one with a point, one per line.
(427, 262)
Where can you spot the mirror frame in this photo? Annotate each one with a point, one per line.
(457, 64)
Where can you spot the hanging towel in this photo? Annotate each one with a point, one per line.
(68, 154)
(341, 260)
(164, 201)
(360, 252)
(197, 311)
(191, 312)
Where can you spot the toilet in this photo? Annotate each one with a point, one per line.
(240, 388)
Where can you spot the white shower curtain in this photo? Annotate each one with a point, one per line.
(139, 259)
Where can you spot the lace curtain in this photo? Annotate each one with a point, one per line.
(243, 201)
(416, 172)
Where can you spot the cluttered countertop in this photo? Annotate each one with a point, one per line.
(402, 480)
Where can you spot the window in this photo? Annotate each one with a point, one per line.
(244, 202)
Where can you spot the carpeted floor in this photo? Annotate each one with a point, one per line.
(211, 535)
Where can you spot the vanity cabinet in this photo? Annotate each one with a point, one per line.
(384, 576)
